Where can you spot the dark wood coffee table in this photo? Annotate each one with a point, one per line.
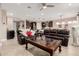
(50, 47)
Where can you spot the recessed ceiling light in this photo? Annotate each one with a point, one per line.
(60, 14)
(42, 13)
(69, 4)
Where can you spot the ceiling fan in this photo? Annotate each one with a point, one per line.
(44, 6)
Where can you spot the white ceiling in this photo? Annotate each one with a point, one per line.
(20, 10)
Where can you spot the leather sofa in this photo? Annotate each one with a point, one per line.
(59, 34)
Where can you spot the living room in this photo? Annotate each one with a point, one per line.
(39, 29)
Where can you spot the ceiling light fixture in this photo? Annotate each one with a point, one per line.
(44, 7)
(59, 14)
(69, 4)
(42, 13)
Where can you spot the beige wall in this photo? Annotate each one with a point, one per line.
(9, 23)
(3, 27)
(66, 20)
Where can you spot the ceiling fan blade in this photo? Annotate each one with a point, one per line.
(50, 5)
(43, 4)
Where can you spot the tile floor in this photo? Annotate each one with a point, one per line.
(12, 48)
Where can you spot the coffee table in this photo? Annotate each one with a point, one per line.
(50, 47)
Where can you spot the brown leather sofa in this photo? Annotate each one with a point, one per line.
(59, 34)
